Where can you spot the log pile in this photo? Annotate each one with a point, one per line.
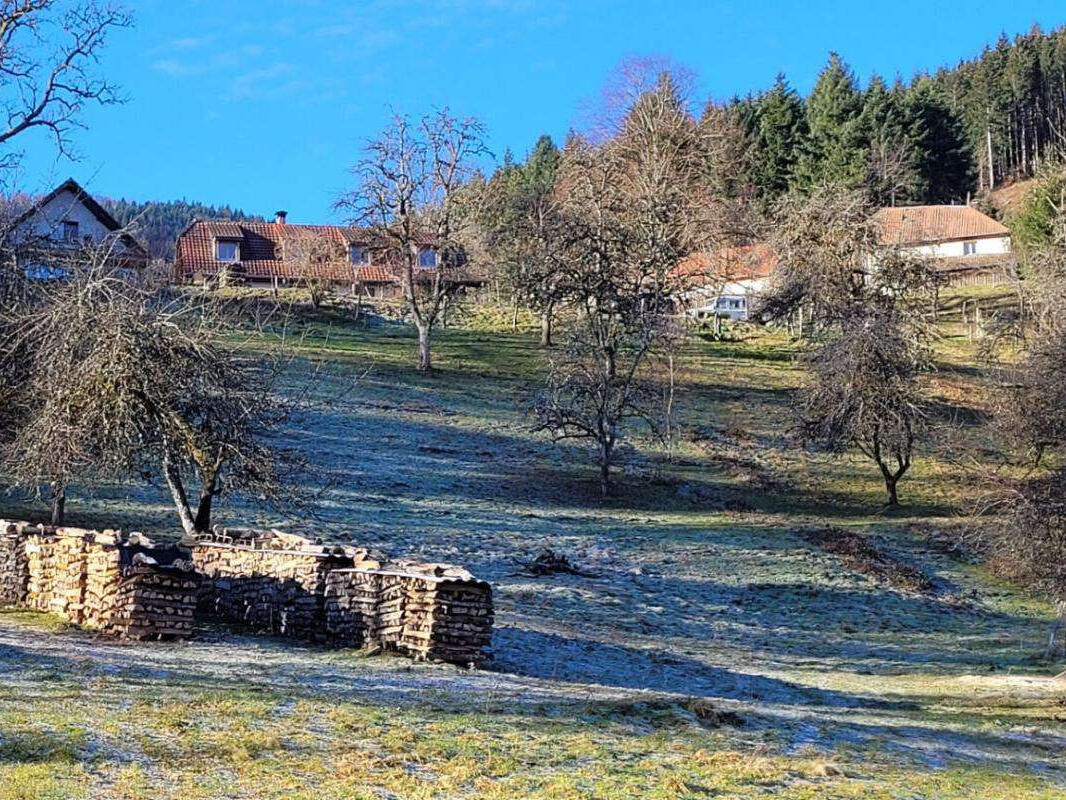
(14, 573)
(271, 581)
(428, 611)
(99, 580)
(154, 603)
(288, 585)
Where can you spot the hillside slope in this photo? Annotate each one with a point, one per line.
(725, 644)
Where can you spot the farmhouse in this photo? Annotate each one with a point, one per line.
(282, 254)
(965, 246)
(724, 282)
(62, 226)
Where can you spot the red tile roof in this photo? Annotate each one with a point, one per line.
(915, 225)
(727, 264)
(267, 251)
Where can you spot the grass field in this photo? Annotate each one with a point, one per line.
(719, 651)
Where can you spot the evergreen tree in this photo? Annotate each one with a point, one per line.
(945, 162)
(778, 130)
(834, 150)
(890, 140)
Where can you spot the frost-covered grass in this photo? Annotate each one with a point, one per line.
(706, 602)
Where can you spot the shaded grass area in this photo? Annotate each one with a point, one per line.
(262, 719)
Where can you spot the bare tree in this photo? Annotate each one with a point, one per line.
(49, 54)
(126, 379)
(632, 206)
(409, 193)
(867, 312)
(1027, 540)
(318, 260)
(891, 174)
(863, 391)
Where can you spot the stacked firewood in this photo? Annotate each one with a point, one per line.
(351, 606)
(429, 611)
(270, 581)
(13, 567)
(154, 603)
(447, 618)
(103, 581)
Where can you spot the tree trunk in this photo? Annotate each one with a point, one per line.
(546, 328)
(58, 502)
(1055, 630)
(606, 448)
(991, 166)
(425, 362)
(890, 486)
(203, 511)
(177, 492)
(514, 317)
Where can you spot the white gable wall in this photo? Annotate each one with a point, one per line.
(47, 222)
(987, 246)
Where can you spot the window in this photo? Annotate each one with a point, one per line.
(360, 255)
(70, 232)
(969, 248)
(427, 259)
(46, 272)
(226, 250)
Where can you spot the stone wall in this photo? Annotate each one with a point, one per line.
(100, 580)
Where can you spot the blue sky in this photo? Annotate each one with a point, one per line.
(264, 105)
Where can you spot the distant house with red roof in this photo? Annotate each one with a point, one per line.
(724, 282)
(965, 246)
(282, 254)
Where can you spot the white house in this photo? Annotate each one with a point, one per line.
(65, 222)
(964, 245)
(724, 282)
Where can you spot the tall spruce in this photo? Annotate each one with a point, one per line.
(890, 140)
(834, 151)
(778, 129)
(945, 161)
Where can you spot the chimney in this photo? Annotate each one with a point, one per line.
(280, 217)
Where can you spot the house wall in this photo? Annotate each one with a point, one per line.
(988, 246)
(47, 222)
(704, 299)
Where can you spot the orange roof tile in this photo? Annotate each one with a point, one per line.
(915, 225)
(266, 251)
(727, 264)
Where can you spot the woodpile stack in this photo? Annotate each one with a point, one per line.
(14, 570)
(99, 580)
(351, 606)
(428, 611)
(292, 586)
(154, 603)
(271, 581)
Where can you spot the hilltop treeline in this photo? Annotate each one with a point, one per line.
(1012, 102)
(157, 225)
(936, 138)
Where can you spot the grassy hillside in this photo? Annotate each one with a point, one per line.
(723, 647)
